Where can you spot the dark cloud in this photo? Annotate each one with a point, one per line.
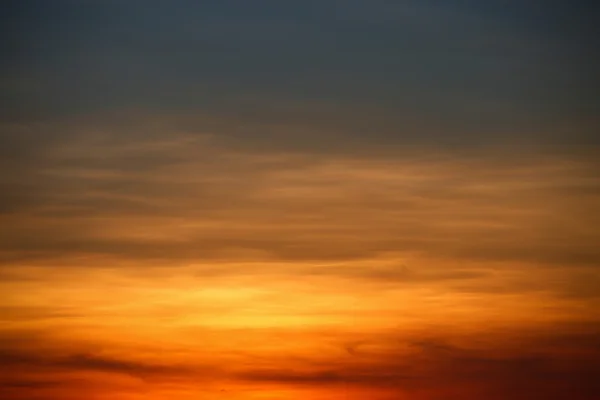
(554, 364)
(138, 369)
(39, 351)
(329, 377)
(29, 375)
(21, 359)
(441, 368)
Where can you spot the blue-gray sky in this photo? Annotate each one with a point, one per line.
(386, 71)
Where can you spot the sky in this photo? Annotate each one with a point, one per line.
(284, 200)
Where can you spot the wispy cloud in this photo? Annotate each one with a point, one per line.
(190, 198)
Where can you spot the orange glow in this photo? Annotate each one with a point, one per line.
(322, 280)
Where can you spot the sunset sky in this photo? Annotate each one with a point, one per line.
(299, 200)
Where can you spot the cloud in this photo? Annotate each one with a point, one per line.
(86, 362)
(138, 369)
(433, 368)
(41, 350)
(28, 375)
(426, 363)
(186, 197)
